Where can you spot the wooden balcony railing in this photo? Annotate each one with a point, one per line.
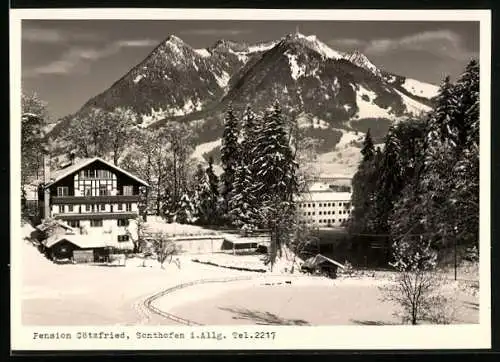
(94, 199)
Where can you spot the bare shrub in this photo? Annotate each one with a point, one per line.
(417, 287)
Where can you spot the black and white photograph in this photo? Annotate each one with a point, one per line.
(223, 181)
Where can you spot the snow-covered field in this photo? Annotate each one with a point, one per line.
(206, 147)
(420, 89)
(78, 294)
(344, 159)
(368, 109)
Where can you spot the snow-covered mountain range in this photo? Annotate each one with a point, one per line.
(336, 90)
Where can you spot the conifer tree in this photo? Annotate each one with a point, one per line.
(243, 204)
(368, 149)
(364, 185)
(186, 211)
(213, 196)
(229, 156)
(276, 182)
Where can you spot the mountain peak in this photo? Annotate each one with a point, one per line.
(174, 39)
(312, 42)
(359, 59)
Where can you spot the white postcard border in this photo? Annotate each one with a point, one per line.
(334, 337)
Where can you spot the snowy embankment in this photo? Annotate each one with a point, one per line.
(205, 148)
(155, 224)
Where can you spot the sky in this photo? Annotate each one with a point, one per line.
(66, 62)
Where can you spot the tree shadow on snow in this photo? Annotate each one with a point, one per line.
(263, 318)
(371, 323)
(472, 305)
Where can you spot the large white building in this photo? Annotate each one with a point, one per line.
(324, 206)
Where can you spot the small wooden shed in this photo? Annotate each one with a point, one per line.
(323, 265)
(79, 248)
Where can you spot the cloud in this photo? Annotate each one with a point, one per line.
(443, 43)
(45, 35)
(137, 43)
(76, 59)
(348, 42)
(215, 32)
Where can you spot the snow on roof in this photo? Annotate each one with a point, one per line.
(53, 223)
(319, 258)
(82, 241)
(325, 196)
(62, 173)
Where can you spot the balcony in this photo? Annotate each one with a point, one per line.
(97, 216)
(108, 199)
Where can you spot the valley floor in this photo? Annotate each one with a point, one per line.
(77, 294)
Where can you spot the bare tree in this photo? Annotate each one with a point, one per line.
(417, 286)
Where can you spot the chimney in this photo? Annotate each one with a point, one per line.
(72, 157)
(46, 180)
(46, 168)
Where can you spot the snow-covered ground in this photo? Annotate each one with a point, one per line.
(343, 159)
(79, 294)
(368, 109)
(203, 148)
(420, 89)
(413, 106)
(157, 224)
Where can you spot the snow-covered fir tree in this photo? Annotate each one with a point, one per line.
(186, 211)
(229, 156)
(274, 159)
(206, 196)
(243, 204)
(276, 183)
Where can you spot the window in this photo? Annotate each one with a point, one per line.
(308, 205)
(62, 191)
(61, 209)
(103, 207)
(320, 212)
(309, 213)
(74, 223)
(96, 223)
(123, 238)
(128, 207)
(120, 207)
(70, 208)
(104, 174)
(329, 204)
(314, 205)
(333, 212)
(122, 222)
(128, 190)
(103, 190)
(87, 207)
(88, 191)
(333, 203)
(320, 204)
(313, 213)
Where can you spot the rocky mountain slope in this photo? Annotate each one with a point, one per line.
(328, 90)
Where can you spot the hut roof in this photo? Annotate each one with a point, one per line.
(82, 241)
(319, 259)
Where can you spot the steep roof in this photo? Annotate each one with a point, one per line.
(82, 241)
(62, 173)
(319, 258)
(324, 196)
